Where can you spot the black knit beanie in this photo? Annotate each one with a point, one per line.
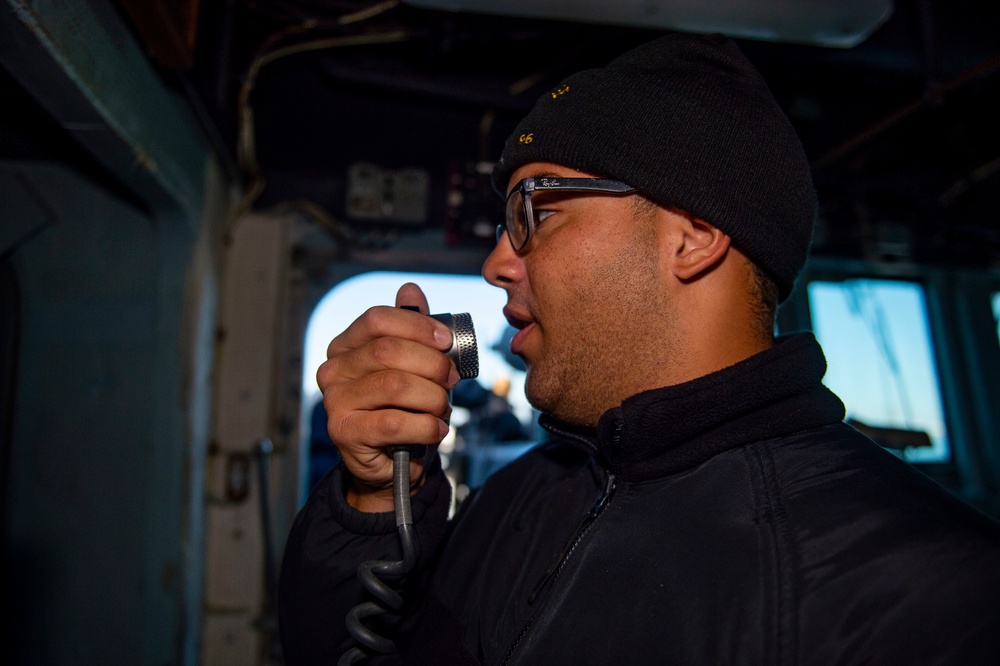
(688, 121)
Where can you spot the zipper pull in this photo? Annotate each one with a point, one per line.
(604, 498)
(609, 483)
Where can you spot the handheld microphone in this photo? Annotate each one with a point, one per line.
(463, 350)
(464, 353)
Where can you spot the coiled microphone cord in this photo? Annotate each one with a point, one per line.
(369, 572)
(465, 354)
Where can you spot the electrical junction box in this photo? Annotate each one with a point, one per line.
(397, 196)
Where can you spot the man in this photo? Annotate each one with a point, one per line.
(700, 500)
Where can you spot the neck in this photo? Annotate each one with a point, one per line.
(719, 329)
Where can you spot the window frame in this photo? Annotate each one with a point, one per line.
(966, 354)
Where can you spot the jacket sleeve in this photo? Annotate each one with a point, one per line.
(318, 584)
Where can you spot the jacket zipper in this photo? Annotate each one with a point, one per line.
(581, 531)
(595, 512)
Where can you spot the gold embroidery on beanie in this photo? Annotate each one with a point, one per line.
(526, 138)
(559, 91)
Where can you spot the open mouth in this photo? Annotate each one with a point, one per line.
(514, 320)
(523, 325)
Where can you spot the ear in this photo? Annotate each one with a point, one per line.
(701, 248)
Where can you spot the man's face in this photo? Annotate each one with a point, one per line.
(582, 293)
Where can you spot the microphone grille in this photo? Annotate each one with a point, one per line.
(464, 350)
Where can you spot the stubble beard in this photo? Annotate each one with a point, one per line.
(615, 349)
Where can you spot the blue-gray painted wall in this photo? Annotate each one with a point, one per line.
(117, 300)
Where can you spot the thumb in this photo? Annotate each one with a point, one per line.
(410, 295)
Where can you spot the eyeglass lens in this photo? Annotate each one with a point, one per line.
(517, 223)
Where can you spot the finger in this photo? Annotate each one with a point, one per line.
(388, 354)
(374, 470)
(410, 295)
(384, 321)
(390, 389)
(371, 431)
(362, 438)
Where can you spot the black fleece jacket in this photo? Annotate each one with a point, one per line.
(734, 519)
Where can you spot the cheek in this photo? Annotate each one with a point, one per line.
(565, 263)
(556, 279)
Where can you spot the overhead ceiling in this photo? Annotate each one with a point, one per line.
(901, 128)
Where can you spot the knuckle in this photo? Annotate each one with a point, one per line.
(390, 424)
(339, 428)
(335, 399)
(384, 351)
(357, 434)
(374, 319)
(392, 383)
(324, 375)
(331, 372)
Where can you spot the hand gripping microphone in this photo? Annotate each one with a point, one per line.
(463, 352)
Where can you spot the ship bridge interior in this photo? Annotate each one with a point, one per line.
(183, 182)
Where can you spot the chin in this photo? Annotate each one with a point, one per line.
(564, 406)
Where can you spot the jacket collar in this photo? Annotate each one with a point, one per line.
(771, 394)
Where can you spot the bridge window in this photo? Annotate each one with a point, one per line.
(996, 312)
(880, 359)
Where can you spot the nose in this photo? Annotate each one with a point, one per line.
(503, 267)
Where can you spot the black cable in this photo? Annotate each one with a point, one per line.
(464, 353)
(369, 572)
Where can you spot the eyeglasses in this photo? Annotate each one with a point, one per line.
(519, 218)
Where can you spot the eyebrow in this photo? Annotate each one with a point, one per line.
(550, 174)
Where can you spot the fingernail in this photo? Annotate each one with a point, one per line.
(443, 337)
(442, 429)
(453, 377)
